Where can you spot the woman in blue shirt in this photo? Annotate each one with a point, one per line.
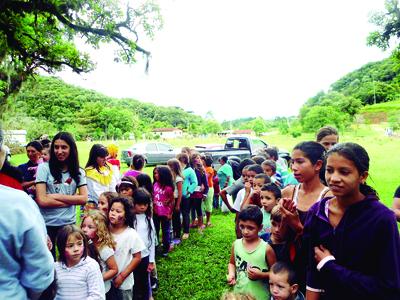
(57, 183)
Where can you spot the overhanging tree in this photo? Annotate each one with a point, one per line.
(40, 34)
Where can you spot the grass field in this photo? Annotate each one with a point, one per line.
(196, 269)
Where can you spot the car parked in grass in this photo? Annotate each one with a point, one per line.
(153, 152)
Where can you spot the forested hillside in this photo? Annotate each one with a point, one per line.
(375, 82)
(47, 105)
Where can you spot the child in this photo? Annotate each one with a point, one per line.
(127, 186)
(269, 167)
(78, 276)
(105, 201)
(217, 190)
(128, 249)
(46, 154)
(254, 197)
(144, 226)
(99, 175)
(282, 283)
(114, 161)
(176, 170)
(280, 237)
(200, 193)
(352, 240)
(189, 185)
(94, 225)
(144, 181)
(251, 257)
(270, 195)
(163, 199)
(208, 202)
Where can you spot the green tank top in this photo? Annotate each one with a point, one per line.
(244, 259)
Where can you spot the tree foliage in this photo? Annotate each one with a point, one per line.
(40, 34)
(85, 113)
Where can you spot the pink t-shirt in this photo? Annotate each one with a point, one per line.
(161, 195)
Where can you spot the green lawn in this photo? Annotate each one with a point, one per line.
(196, 269)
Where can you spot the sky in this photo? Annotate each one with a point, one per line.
(239, 58)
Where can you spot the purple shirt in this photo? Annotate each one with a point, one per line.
(132, 173)
(366, 247)
(163, 199)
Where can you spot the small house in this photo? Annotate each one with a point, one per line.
(168, 133)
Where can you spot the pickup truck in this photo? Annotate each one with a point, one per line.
(239, 146)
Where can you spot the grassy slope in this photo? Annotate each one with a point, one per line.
(196, 269)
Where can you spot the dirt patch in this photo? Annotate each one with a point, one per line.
(375, 117)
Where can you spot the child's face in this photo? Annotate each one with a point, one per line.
(244, 175)
(329, 141)
(268, 200)
(342, 176)
(280, 287)
(103, 204)
(278, 230)
(156, 175)
(126, 191)
(45, 155)
(268, 170)
(249, 229)
(302, 167)
(117, 214)
(141, 208)
(89, 228)
(73, 250)
(250, 176)
(257, 184)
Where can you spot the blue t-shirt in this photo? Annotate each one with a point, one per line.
(25, 261)
(59, 216)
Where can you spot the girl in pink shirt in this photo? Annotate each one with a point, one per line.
(163, 203)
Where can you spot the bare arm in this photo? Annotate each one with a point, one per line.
(128, 270)
(179, 199)
(312, 295)
(224, 198)
(77, 199)
(112, 268)
(231, 278)
(47, 200)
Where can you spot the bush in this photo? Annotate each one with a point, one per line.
(319, 116)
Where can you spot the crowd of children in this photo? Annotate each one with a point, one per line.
(317, 231)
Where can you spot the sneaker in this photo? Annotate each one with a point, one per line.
(165, 254)
(185, 236)
(176, 241)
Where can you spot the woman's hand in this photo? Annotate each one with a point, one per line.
(247, 187)
(320, 253)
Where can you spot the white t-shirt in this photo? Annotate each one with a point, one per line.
(239, 199)
(105, 253)
(128, 243)
(142, 229)
(177, 179)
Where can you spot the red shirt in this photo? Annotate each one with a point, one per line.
(10, 182)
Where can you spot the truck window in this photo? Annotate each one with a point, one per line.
(237, 144)
(259, 144)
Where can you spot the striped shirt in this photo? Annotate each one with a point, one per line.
(82, 281)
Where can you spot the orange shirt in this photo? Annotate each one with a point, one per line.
(210, 175)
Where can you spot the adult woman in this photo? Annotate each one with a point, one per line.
(28, 170)
(352, 239)
(328, 137)
(99, 175)
(396, 204)
(57, 183)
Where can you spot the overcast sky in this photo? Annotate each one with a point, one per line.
(242, 58)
